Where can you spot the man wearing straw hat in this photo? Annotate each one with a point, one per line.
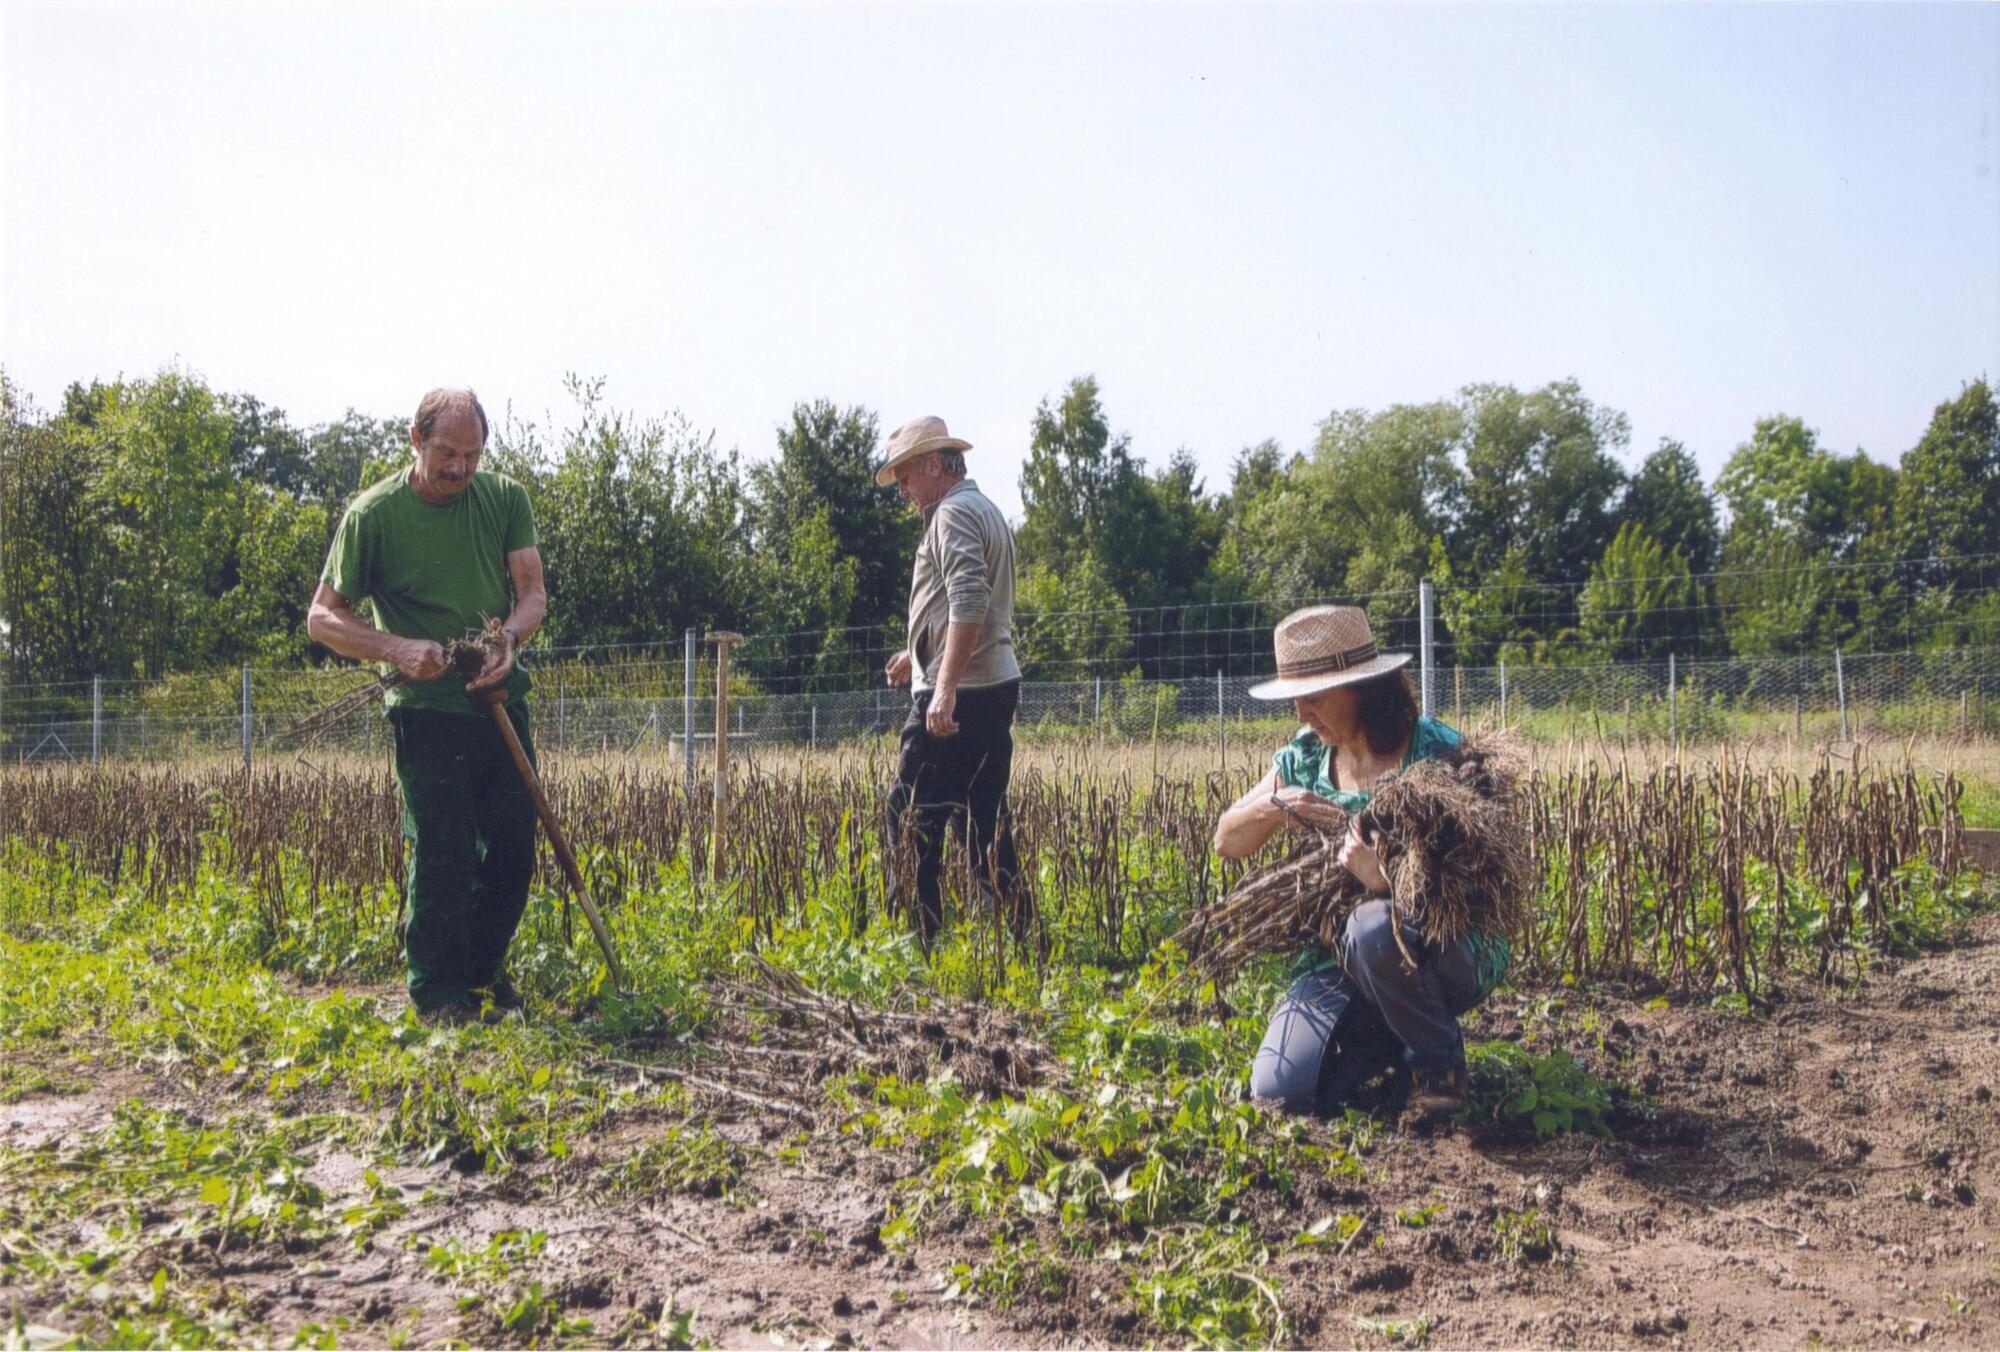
(436, 548)
(1348, 1016)
(958, 742)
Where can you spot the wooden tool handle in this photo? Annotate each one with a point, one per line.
(558, 840)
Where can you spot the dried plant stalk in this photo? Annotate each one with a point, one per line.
(1453, 837)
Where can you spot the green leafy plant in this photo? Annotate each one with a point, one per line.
(1550, 1093)
(1525, 1237)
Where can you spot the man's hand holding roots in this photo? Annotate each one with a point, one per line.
(499, 661)
(420, 659)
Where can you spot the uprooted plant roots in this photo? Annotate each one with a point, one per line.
(465, 656)
(779, 1040)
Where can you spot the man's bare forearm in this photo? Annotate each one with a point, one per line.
(959, 641)
(351, 636)
(526, 616)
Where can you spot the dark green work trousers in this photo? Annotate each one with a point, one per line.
(471, 826)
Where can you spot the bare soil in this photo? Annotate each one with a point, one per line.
(1825, 1172)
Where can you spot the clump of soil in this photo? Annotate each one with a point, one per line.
(468, 656)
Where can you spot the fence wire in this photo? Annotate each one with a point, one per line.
(639, 705)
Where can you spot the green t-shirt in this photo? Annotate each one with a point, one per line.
(433, 570)
(1306, 762)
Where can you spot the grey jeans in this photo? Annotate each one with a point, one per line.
(1336, 1029)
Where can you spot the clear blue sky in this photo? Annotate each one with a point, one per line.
(1239, 217)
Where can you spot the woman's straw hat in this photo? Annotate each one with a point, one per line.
(1321, 647)
(919, 436)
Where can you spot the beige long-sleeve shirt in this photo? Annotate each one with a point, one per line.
(964, 574)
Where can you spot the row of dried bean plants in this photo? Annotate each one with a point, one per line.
(1694, 878)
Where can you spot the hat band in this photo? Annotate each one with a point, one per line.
(1333, 661)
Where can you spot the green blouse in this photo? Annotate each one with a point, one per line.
(1306, 762)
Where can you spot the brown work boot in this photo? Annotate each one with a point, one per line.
(1439, 1094)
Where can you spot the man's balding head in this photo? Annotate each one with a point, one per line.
(443, 402)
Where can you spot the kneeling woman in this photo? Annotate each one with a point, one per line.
(1354, 1013)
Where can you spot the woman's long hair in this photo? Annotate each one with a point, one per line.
(1386, 709)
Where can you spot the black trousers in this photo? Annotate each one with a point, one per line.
(471, 827)
(960, 781)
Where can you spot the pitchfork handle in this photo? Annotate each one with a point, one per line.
(556, 838)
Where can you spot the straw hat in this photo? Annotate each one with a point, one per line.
(1321, 647)
(919, 436)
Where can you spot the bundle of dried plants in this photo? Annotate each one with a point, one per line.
(1453, 837)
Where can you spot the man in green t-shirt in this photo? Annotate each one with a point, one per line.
(436, 550)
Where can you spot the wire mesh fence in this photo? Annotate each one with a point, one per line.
(647, 703)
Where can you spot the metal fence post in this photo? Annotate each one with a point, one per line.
(246, 720)
(1840, 691)
(1424, 607)
(722, 640)
(1673, 701)
(1221, 727)
(96, 718)
(813, 736)
(687, 705)
(1503, 692)
(1097, 709)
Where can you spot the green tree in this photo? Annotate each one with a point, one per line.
(1809, 546)
(1540, 478)
(1487, 620)
(265, 448)
(350, 453)
(1152, 536)
(1641, 602)
(1158, 550)
(166, 490)
(275, 569)
(1668, 502)
(1948, 493)
(1356, 514)
(642, 524)
(825, 471)
(1070, 625)
(1075, 477)
(806, 594)
(58, 615)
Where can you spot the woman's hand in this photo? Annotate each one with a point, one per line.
(1358, 857)
(1309, 807)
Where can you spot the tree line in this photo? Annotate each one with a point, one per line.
(157, 525)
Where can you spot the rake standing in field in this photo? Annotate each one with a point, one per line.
(958, 742)
(435, 549)
(1386, 992)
